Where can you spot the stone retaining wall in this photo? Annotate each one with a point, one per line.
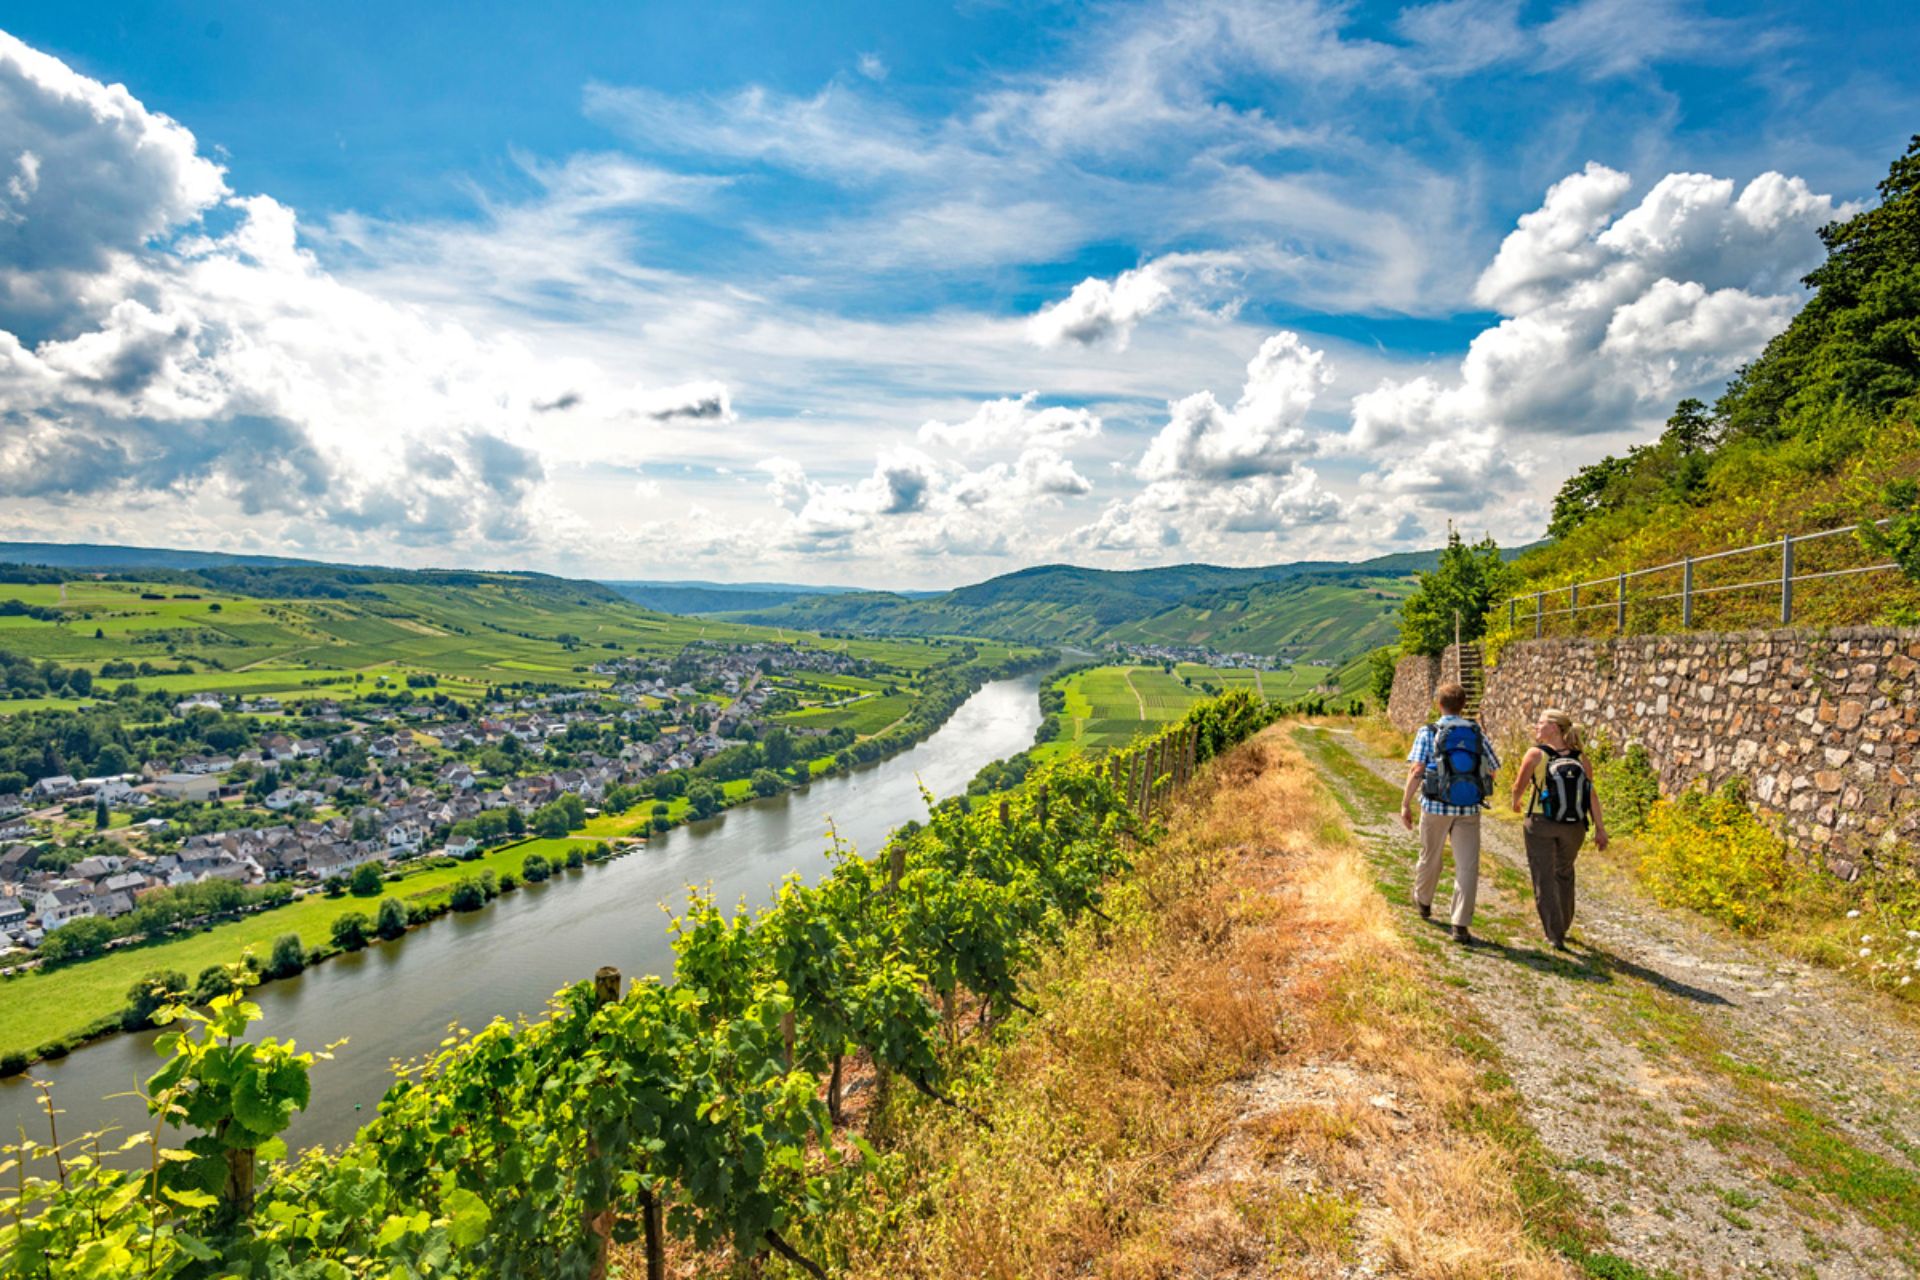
(1414, 680)
(1824, 726)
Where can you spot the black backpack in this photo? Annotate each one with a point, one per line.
(1456, 775)
(1566, 793)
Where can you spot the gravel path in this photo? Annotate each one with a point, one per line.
(1724, 1110)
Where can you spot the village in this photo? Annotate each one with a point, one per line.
(327, 787)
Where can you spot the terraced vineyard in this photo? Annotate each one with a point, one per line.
(1109, 706)
(480, 630)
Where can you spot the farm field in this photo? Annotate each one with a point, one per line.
(1110, 706)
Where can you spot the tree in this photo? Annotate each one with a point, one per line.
(365, 882)
(101, 818)
(1467, 583)
(83, 937)
(766, 782)
(535, 869)
(550, 821)
(391, 921)
(704, 798)
(516, 822)
(149, 994)
(1380, 667)
(350, 930)
(215, 980)
(288, 957)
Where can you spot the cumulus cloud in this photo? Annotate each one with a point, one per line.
(1215, 472)
(162, 335)
(1104, 313)
(1013, 421)
(1608, 317)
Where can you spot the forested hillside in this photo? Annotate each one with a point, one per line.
(1817, 432)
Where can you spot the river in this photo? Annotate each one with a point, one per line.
(395, 1000)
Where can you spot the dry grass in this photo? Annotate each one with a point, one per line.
(1247, 1074)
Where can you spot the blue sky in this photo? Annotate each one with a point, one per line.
(905, 295)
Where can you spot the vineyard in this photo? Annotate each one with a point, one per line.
(707, 1112)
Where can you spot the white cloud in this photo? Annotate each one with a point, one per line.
(1262, 434)
(147, 347)
(1097, 311)
(1000, 423)
(873, 66)
(1608, 319)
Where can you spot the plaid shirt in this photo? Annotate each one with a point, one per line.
(1422, 755)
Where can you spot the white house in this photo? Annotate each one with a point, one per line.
(462, 847)
(195, 701)
(53, 786)
(58, 907)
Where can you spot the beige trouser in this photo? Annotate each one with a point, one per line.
(1435, 831)
(1552, 848)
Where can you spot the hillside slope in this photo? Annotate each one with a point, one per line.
(1312, 610)
(1812, 435)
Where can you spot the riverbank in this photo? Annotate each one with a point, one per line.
(508, 958)
(49, 1012)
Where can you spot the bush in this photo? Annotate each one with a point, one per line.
(215, 980)
(1628, 788)
(149, 994)
(350, 930)
(391, 921)
(1709, 853)
(535, 869)
(576, 859)
(12, 1064)
(288, 957)
(54, 1049)
(365, 881)
(467, 895)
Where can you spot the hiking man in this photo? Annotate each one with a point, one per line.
(1451, 768)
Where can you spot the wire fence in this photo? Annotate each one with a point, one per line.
(1805, 576)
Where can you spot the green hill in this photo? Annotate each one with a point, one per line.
(306, 631)
(1814, 434)
(1312, 610)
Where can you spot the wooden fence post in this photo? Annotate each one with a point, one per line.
(599, 1225)
(1006, 817)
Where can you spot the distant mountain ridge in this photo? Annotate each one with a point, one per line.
(91, 555)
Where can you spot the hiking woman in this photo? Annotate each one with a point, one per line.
(1563, 802)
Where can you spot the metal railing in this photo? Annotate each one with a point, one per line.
(1689, 591)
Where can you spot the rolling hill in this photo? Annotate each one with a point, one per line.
(1308, 610)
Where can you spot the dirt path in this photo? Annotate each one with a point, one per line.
(1138, 700)
(1725, 1111)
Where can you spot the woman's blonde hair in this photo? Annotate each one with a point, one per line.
(1568, 729)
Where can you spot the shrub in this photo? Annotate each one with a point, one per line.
(288, 956)
(467, 895)
(1629, 789)
(12, 1064)
(535, 869)
(148, 994)
(214, 980)
(392, 919)
(365, 881)
(1708, 852)
(54, 1049)
(575, 858)
(350, 930)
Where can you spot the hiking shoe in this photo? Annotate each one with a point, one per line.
(1461, 936)
(1560, 944)
(1426, 910)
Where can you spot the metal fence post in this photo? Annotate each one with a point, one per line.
(1622, 590)
(1573, 607)
(1513, 609)
(1686, 592)
(1538, 618)
(1786, 581)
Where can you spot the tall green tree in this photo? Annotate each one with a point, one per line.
(1468, 582)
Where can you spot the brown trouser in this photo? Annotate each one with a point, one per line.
(1551, 850)
(1436, 831)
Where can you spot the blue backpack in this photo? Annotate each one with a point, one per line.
(1457, 773)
